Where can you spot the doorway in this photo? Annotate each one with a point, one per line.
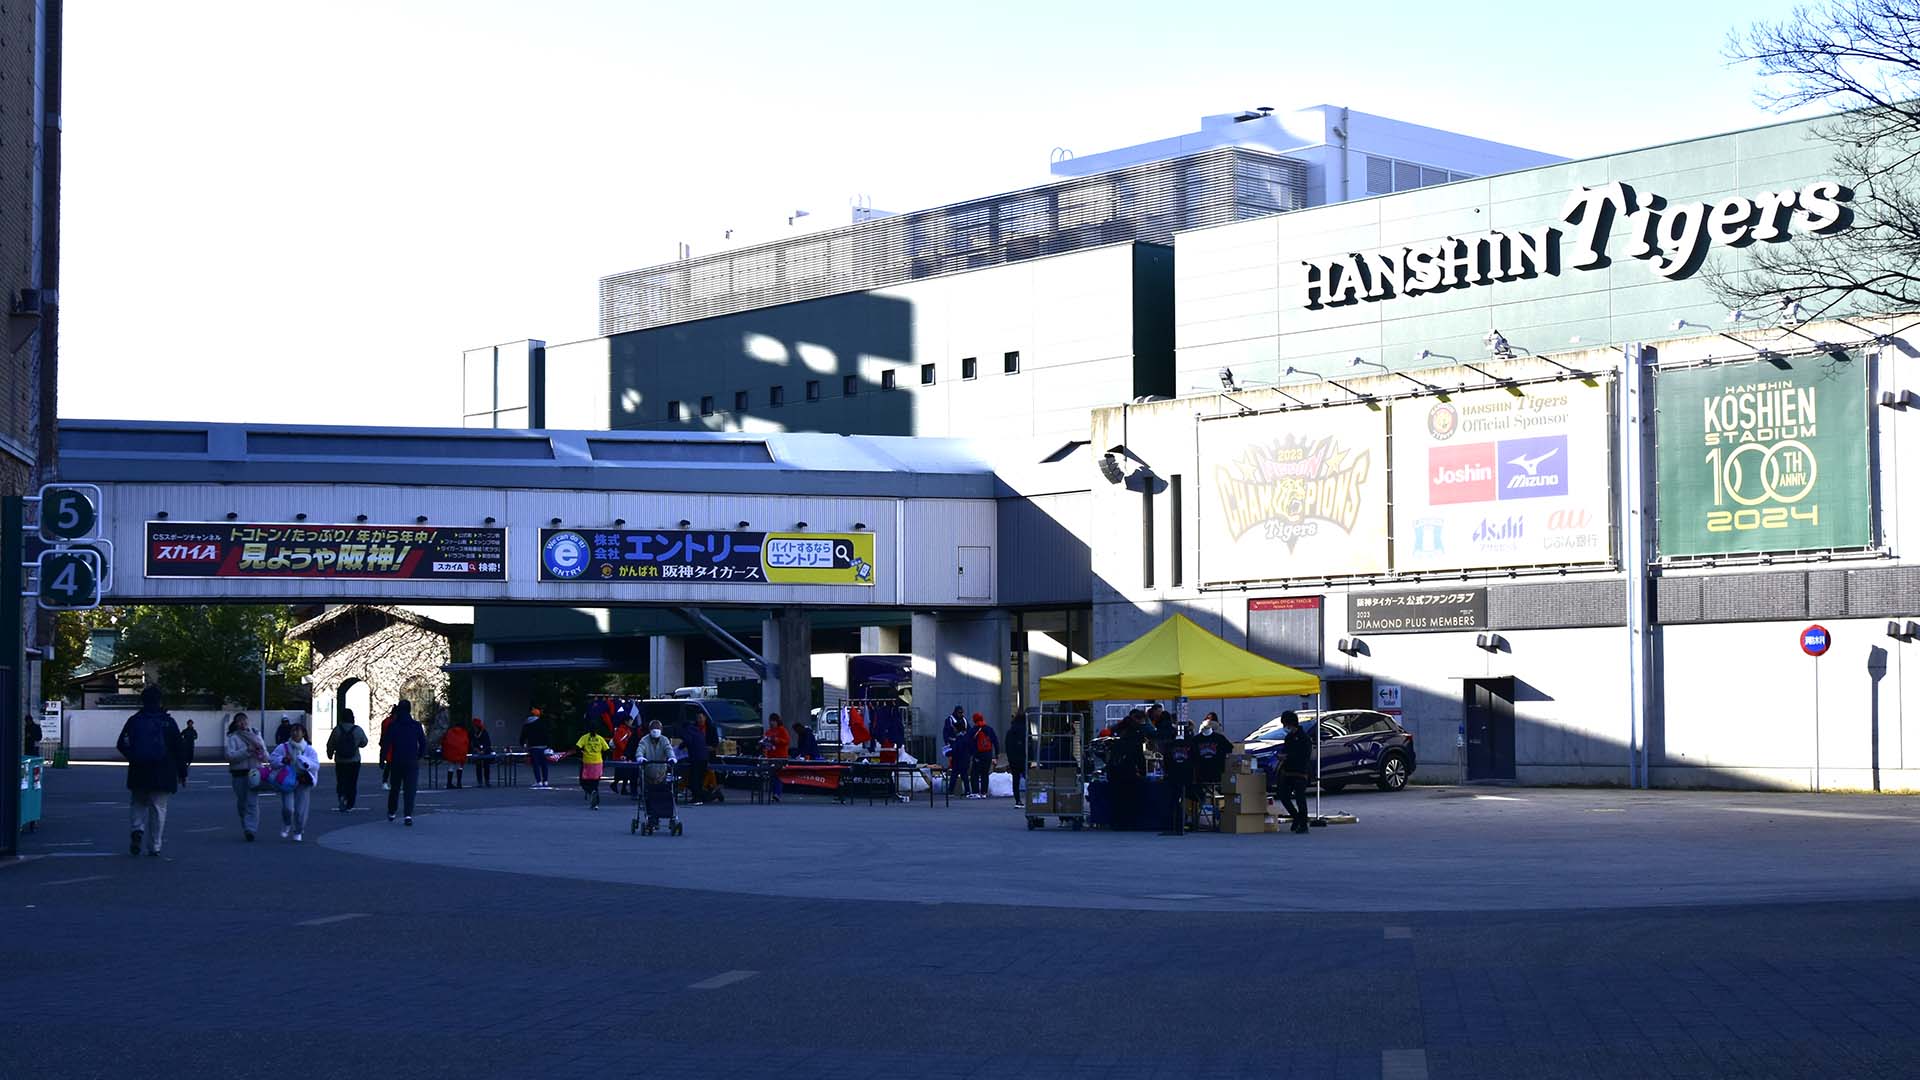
(1349, 694)
(1487, 706)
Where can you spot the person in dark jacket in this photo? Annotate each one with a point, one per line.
(344, 747)
(806, 745)
(150, 741)
(959, 753)
(533, 736)
(482, 749)
(984, 743)
(1127, 771)
(30, 736)
(403, 744)
(1296, 764)
(698, 747)
(283, 732)
(1016, 747)
(185, 759)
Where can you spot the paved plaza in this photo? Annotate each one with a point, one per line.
(1450, 932)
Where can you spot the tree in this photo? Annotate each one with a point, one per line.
(1861, 57)
(217, 649)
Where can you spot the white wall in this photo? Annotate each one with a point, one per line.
(92, 733)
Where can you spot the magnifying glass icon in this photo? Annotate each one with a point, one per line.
(843, 552)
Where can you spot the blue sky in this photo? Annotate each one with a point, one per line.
(302, 213)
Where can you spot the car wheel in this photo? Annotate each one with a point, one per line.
(1393, 773)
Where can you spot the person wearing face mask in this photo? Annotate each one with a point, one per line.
(245, 754)
(656, 758)
(300, 756)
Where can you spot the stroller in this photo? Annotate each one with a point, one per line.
(655, 800)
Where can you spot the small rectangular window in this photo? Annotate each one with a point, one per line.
(1178, 530)
(886, 379)
(1146, 536)
(739, 401)
(673, 410)
(776, 396)
(970, 367)
(926, 374)
(849, 385)
(1010, 363)
(813, 389)
(706, 405)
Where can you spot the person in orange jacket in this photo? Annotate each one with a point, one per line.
(774, 744)
(453, 749)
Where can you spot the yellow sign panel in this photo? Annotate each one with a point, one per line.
(818, 559)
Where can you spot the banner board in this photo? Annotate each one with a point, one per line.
(1763, 456)
(227, 549)
(697, 556)
(1489, 478)
(1286, 630)
(1293, 494)
(1460, 608)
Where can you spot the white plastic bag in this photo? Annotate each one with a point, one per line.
(1000, 785)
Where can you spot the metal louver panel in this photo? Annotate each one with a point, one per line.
(1141, 203)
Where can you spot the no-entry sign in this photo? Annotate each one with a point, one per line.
(1814, 640)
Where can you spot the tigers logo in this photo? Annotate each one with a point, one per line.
(1442, 421)
(1291, 485)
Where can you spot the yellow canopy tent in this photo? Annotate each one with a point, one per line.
(1177, 659)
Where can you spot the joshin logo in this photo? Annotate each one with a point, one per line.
(1290, 486)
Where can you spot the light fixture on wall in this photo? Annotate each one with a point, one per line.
(232, 516)
(555, 522)
(1899, 399)
(299, 517)
(684, 522)
(490, 519)
(1353, 647)
(859, 526)
(799, 524)
(1110, 468)
(360, 517)
(1492, 642)
(618, 522)
(743, 524)
(162, 515)
(420, 520)
(1900, 631)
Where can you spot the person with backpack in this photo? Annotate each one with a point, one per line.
(150, 741)
(453, 751)
(245, 754)
(343, 748)
(986, 748)
(533, 736)
(403, 744)
(299, 755)
(185, 761)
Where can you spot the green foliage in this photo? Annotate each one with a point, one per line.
(72, 632)
(218, 649)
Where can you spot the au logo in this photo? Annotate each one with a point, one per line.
(1442, 421)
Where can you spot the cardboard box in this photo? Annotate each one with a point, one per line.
(1244, 823)
(1245, 804)
(1069, 799)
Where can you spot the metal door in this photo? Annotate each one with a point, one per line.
(1488, 713)
(976, 573)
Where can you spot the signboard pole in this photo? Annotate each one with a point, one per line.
(1633, 553)
(12, 662)
(1816, 724)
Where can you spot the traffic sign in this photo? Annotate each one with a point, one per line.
(1815, 640)
(69, 579)
(68, 511)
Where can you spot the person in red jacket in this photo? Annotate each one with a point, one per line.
(774, 744)
(986, 746)
(453, 749)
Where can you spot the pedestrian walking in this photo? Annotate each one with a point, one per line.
(985, 744)
(622, 741)
(385, 723)
(654, 751)
(533, 736)
(150, 741)
(188, 736)
(1016, 744)
(343, 749)
(453, 751)
(593, 755)
(960, 753)
(1296, 761)
(299, 755)
(245, 754)
(404, 743)
(283, 732)
(481, 741)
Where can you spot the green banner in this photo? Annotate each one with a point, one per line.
(1762, 457)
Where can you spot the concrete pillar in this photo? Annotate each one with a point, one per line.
(1046, 655)
(960, 658)
(500, 698)
(879, 639)
(666, 665)
(786, 641)
(927, 706)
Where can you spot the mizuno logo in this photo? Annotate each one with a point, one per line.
(1532, 464)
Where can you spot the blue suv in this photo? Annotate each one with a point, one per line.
(1356, 745)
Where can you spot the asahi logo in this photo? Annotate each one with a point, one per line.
(1673, 236)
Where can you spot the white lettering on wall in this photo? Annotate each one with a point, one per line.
(1674, 238)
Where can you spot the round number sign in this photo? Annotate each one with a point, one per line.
(1815, 640)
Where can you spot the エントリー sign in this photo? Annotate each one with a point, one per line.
(1755, 457)
(1674, 237)
(702, 557)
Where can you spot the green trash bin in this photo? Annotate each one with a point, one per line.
(32, 796)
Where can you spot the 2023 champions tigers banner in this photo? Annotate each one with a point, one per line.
(1293, 494)
(1757, 457)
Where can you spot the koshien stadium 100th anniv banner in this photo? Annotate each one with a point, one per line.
(1293, 494)
(1757, 457)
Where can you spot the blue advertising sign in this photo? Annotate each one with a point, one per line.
(702, 557)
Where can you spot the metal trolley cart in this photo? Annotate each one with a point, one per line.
(655, 800)
(1056, 768)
